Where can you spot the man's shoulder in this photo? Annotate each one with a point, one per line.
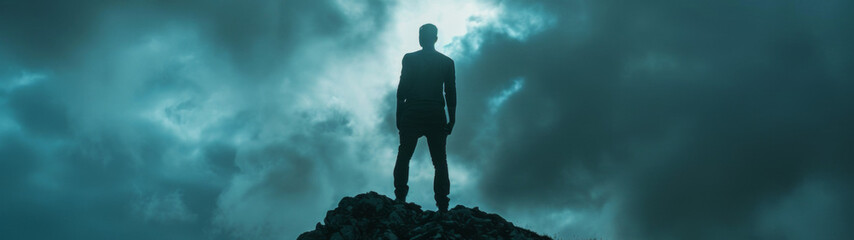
(411, 55)
(431, 54)
(445, 57)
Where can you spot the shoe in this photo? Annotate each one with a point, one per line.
(443, 209)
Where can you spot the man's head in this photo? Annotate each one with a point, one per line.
(427, 35)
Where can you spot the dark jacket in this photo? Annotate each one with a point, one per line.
(425, 76)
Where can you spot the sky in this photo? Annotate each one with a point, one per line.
(148, 119)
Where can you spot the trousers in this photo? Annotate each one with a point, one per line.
(436, 139)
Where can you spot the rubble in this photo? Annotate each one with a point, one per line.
(374, 216)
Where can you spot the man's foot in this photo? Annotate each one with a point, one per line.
(443, 209)
(400, 200)
(433, 216)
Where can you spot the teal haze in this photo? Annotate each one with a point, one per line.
(576, 119)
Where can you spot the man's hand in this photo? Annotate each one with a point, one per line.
(449, 127)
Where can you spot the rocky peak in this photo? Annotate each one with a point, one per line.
(374, 216)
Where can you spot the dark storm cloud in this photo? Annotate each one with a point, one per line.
(692, 116)
(39, 32)
(121, 118)
(87, 186)
(257, 36)
(226, 119)
(38, 111)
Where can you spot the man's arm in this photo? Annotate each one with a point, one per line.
(402, 91)
(451, 97)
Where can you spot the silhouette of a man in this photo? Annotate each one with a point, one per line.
(421, 112)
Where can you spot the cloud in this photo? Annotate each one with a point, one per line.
(687, 119)
(497, 101)
(169, 116)
(198, 119)
(166, 208)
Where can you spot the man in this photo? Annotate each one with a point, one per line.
(421, 112)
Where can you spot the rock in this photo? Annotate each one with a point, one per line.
(389, 235)
(349, 233)
(374, 216)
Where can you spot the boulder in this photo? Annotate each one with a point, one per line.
(374, 216)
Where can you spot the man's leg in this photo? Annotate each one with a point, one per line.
(441, 184)
(408, 140)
